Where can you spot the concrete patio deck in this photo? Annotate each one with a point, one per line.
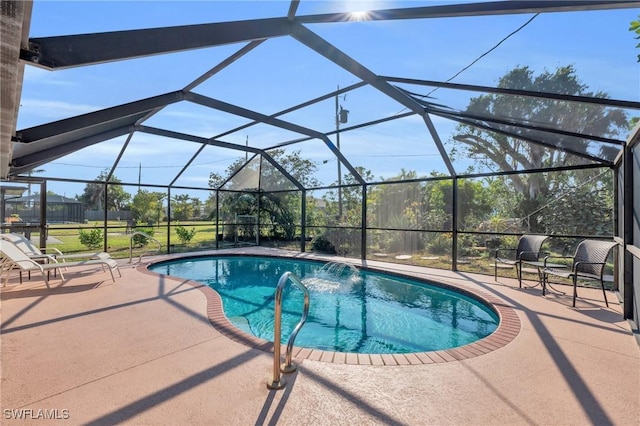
(143, 351)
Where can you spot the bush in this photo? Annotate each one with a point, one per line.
(142, 240)
(185, 235)
(92, 239)
(322, 245)
(439, 244)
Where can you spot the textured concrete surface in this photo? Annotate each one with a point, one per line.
(143, 351)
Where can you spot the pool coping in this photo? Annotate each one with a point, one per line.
(508, 327)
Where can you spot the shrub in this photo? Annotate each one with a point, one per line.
(142, 240)
(322, 245)
(439, 244)
(184, 234)
(92, 239)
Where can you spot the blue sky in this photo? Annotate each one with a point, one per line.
(282, 72)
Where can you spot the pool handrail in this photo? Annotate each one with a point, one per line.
(146, 252)
(278, 381)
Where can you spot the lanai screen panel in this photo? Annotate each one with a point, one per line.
(261, 136)
(153, 159)
(65, 93)
(443, 48)
(578, 203)
(481, 49)
(320, 212)
(246, 177)
(479, 151)
(322, 114)
(594, 150)
(276, 75)
(212, 159)
(85, 164)
(394, 150)
(273, 180)
(312, 163)
(560, 121)
(193, 205)
(570, 202)
(49, 96)
(193, 119)
(420, 205)
(397, 206)
(367, 104)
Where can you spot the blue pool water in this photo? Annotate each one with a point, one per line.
(361, 311)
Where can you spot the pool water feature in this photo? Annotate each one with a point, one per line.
(351, 310)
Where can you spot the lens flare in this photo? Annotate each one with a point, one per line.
(361, 15)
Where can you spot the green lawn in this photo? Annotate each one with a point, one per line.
(66, 238)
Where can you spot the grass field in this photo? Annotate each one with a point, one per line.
(66, 238)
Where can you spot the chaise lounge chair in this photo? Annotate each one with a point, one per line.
(589, 261)
(31, 250)
(14, 258)
(528, 250)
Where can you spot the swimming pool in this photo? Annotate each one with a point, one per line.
(362, 312)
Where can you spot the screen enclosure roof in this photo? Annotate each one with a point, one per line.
(169, 93)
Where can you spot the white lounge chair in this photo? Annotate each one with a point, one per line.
(31, 250)
(14, 258)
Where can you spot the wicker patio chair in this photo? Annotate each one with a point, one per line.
(589, 261)
(528, 250)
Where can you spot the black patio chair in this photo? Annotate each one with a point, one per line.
(589, 261)
(528, 250)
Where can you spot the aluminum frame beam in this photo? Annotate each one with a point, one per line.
(270, 120)
(213, 142)
(60, 52)
(326, 49)
(97, 118)
(473, 9)
(35, 159)
(85, 49)
(538, 128)
(297, 107)
(515, 92)
(533, 141)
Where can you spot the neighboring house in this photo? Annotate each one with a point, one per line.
(59, 209)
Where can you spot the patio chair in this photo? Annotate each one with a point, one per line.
(528, 250)
(31, 250)
(589, 261)
(14, 258)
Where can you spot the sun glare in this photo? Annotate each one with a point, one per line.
(361, 15)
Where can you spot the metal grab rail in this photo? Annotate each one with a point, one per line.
(278, 381)
(143, 253)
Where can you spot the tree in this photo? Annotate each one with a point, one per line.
(585, 208)
(93, 195)
(183, 207)
(345, 239)
(147, 206)
(504, 153)
(351, 199)
(474, 204)
(635, 27)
